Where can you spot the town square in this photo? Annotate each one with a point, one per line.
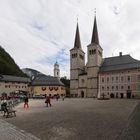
(74, 119)
(69, 70)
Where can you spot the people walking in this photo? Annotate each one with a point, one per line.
(48, 101)
(26, 100)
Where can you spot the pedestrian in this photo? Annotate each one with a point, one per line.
(26, 100)
(57, 97)
(63, 97)
(48, 101)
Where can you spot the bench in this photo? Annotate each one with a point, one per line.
(9, 112)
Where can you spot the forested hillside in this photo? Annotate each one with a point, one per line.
(8, 65)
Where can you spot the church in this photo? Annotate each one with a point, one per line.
(112, 77)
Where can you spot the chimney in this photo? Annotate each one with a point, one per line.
(120, 54)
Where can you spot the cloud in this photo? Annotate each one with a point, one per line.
(36, 33)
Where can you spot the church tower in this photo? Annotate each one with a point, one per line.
(94, 61)
(77, 63)
(56, 70)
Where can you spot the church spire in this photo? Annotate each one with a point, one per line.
(77, 43)
(95, 38)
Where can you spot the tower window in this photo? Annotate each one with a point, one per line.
(74, 55)
(94, 51)
(81, 56)
(90, 52)
(100, 53)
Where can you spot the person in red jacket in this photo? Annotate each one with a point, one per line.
(26, 100)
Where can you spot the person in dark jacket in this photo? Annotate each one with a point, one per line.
(26, 100)
(48, 101)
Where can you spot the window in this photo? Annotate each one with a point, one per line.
(112, 87)
(82, 80)
(102, 88)
(90, 52)
(94, 51)
(100, 53)
(107, 79)
(102, 80)
(107, 88)
(112, 79)
(121, 87)
(128, 78)
(74, 55)
(128, 87)
(116, 87)
(121, 78)
(116, 79)
(82, 57)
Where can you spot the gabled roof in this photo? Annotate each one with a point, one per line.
(119, 63)
(10, 78)
(44, 80)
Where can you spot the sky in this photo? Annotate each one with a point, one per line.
(37, 33)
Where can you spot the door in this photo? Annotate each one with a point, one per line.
(128, 94)
(121, 95)
(82, 94)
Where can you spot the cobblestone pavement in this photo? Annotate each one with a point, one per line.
(78, 119)
(132, 130)
(11, 132)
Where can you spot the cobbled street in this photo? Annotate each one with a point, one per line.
(74, 119)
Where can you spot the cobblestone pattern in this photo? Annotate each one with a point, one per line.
(132, 131)
(11, 132)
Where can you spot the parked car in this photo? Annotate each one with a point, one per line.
(38, 96)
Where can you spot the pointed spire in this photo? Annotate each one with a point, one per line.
(95, 38)
(77, 43)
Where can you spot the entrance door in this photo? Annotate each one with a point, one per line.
(128, 94)
(121, 95)
(82, 94)
(111, 95)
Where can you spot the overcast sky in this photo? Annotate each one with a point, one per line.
(37, 33)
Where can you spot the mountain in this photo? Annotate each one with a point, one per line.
(8, 65)
(31, 72)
